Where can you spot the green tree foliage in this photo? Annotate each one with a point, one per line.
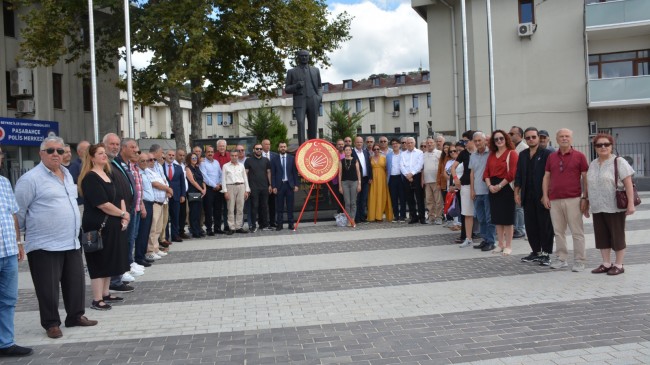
(343, 123)
(263, 123)
(221, 47)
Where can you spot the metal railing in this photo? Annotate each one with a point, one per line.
(636, 154)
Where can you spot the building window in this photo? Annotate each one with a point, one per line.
(396, 105)
(425, 76)
(526, 11)
(357, 104)
(416, 103)
(400, 79)
(398, 130)
(326, 87)
(429, 100)
(141, 111)
(376, 81)
(208, 119)
(11, 100)
(9, 19)
(332, 106)
(230, 119)
(57, 91)
(371, 104)
(347, 84)
(320, 133)
(416, 128)
(621, 64)
(87, 94)
(359, 130)
(219, 118)
(373, 128)
(293, 114)
(321, 110)
(346, 105)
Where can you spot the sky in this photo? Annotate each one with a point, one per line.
(388, 36)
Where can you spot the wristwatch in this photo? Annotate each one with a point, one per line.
(122, 215)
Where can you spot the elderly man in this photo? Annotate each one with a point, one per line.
(432, 191)
(266, 152)
(49, 216)
(158, 154)
(395, 182)
(517, 136)
(544, 140)
(223, 157)
(411, 164)
(211, 171)
(564, 192)
(144, 228)
(363, 156)
(384, 148)
(176, 179)
(370, 143)
(235, 190)
(11, 253)
(440, 142)
(479, 193)
(67, 156)
(161, 194)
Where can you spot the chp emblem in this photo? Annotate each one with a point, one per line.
(317, 161)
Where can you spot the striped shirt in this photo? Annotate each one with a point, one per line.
(8, 207)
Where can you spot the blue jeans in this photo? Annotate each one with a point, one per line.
(520, 227)
(482, 213)
(8, 298)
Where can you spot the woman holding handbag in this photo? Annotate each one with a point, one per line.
(104, 211)
(606, 174)
(196, 189)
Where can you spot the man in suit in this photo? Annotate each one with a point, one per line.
(175, 177)
(304, 83)
(284, 179)
(363, 157)
(266, 152)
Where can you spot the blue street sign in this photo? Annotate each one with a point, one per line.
(26, 132)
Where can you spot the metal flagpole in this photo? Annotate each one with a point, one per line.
(493, 103)
(93, 72)
(129, 76)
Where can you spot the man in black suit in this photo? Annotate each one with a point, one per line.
(304, 83)
(362, 155)
(266, 152)
(175, 177)
(285, 182)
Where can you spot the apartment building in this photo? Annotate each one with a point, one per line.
(579, 64)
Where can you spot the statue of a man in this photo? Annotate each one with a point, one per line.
(304, 83)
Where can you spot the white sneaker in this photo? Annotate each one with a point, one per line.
(152, 256)
(136, 273)
(466, 243)
(161, 253)
(136, 267)
(127, 276)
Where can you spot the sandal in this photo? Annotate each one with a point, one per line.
(111, 299)
(506, 251)
(499, 249)
(100, 305)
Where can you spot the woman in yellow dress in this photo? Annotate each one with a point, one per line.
(379, 202)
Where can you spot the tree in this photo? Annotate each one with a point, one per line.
(342, 122)
(221, 47)
(263, 123)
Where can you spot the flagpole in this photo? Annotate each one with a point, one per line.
(93, 72)
(129, 76)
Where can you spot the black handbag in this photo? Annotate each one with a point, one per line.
(193, 197)
(91, 241)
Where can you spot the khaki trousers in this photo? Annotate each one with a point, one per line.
(156, 227)
(566, 212)
(236, 206)
(165, 217)
(433, 200)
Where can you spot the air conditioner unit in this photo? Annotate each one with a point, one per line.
(26, 106)
(293, 122)
(636, 160)
(21, 82)
(395, 114)
(225, 123)
(526, 29)
(413, 110)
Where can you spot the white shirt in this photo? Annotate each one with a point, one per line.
(430, 167)
(234, 174)
(521, 146)
(362, 162)
(182, 165)
(395, 164)
(211, 171)
(411, 162)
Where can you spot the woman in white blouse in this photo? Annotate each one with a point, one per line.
(609, 220)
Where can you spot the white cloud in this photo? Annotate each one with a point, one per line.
(383, 41)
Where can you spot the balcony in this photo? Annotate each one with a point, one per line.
(619, 92)
(617, 19)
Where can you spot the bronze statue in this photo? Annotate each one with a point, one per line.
(304, 83)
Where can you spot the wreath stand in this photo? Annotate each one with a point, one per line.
(316, 207)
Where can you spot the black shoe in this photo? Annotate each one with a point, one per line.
(291, 227)
(210, 233)
(111, 299)
(177, 239)
(414, 221)
(518, 235)
(273, 226)
(100, 305)
(544, 260)
(218, 231)
(15, 351)
(533, 257)
(197, 236)
(475, 236)
(241, 230)
(488, 247)
(278, 228)
(123, 288)
(480, 245)
(143, 263)
(149, 260)
(230, 232)
(184, 236)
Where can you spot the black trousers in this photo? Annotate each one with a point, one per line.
(182, 217)
(415, 195)
(271, 204)
(259, 199)
(195, 218)
(48, 270)
(539, 227)
(212, 209)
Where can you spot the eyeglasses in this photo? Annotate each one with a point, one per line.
(240, 150)
(528, 138)
(511, 134)
(375, 149)
(499, 139)
(194, 158)
(51, 150)
(258, 149)
(138, 152)
(601, 145)
(151, 160)
(453, 151)
(403, 142)
(383, 141)
(370, 141)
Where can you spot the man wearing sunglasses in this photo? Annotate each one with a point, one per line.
(49, 216)
(384, 148)
(528, 194)
(258, 169)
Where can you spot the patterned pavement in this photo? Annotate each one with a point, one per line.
(382, 293)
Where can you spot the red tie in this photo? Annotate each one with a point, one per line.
(171, 174)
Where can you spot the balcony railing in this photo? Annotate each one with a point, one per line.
(619, 91)
(614, 13)
(636, 154)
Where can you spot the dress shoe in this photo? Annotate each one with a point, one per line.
(423, 221)
(241, 230)
(54, 332)
(15, 351)
(487, 248)
(163, 244)
(210, 233)
(148, 260)
(291, 227)
(177, 239)
(278, 228)
(230, 232)
(82, 322)
(185, 236)
(615, 270)
(218, 231)
(143, 263)
(480, 245)
(196, 236)
(414, 221)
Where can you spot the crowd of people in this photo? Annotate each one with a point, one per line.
(510, 184)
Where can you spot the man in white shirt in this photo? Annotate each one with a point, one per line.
(395, 182)
(211, 171)
(411, 164)
(429, 177)
(236, 190)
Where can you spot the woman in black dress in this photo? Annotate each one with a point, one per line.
(103, 202)
(349, 182)
(195, 186)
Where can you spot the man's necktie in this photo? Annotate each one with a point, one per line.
(284, 168)
(170, 173)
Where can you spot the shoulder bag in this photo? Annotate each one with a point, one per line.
(91, 241)
(621, 195)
